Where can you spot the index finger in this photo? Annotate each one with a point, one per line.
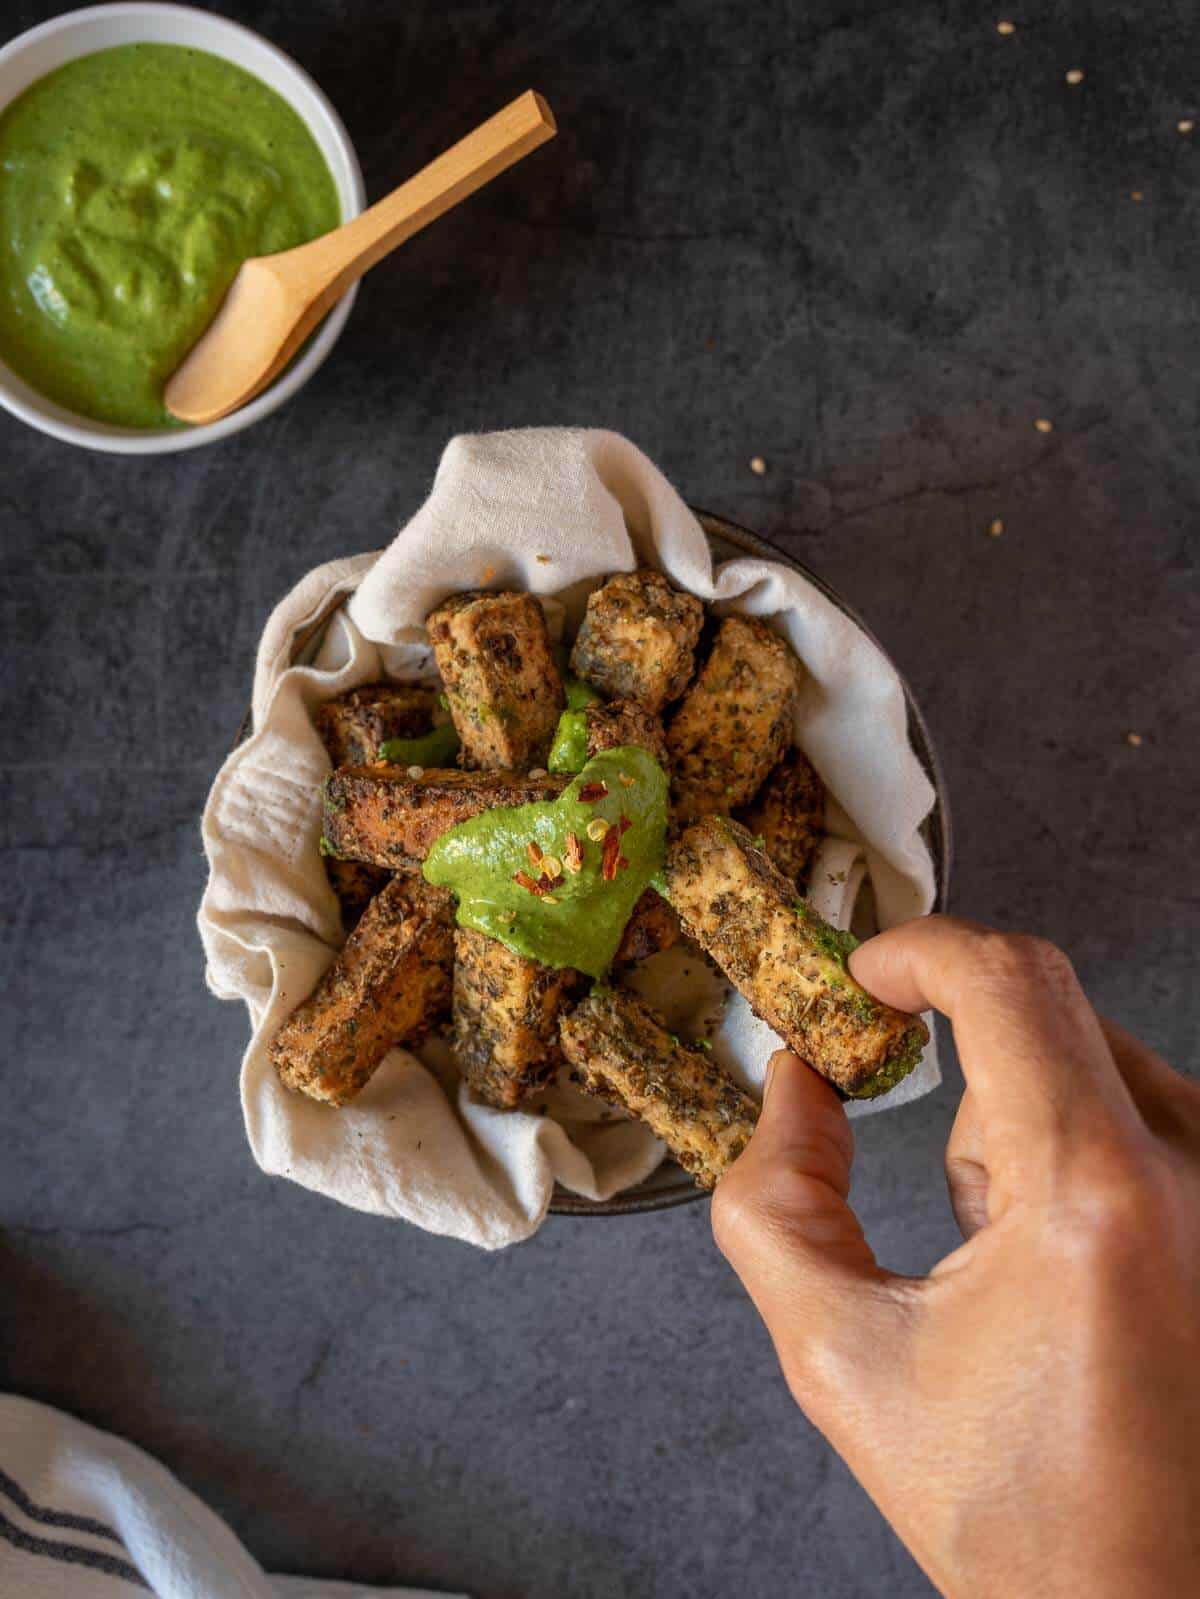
(1031, 1046)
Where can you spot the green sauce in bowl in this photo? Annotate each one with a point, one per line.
(133, 184)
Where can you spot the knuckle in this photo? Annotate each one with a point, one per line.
(1023, 960)
(1119, 1207)
(771, 1208)
(734, 1215)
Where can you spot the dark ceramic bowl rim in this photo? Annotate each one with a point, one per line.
(679, 1189)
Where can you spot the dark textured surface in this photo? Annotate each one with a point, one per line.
(869, 243)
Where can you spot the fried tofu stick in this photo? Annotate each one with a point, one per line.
(735, 721)
(506, 1011)
(787, 961)
(391, 981)
(638, 639)
(355, 885)
(788, 814)
(353, 726)
(621, 1051)
(624, 722)
(652, 928)
(381, 815)
(501, 678)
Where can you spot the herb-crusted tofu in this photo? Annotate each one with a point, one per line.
(391, 981)
(506, 1011)
(638, 639)
(624, 722)
(787, 961)
(353, 726)
(355, 885)
(735, 721)
(502, 681)
(621, 1051)
(788, 814)
(652, 928)
(383, 816)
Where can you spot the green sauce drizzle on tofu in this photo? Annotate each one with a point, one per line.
(438, 747)
(535, 878)
(568, 753)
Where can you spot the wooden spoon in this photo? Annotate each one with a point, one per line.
(276, 301)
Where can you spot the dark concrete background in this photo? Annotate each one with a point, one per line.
(871, 243)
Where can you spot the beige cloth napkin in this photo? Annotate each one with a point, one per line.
(551, 511)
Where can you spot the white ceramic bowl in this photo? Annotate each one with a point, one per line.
(79, 33)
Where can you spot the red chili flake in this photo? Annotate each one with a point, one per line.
(623, 864)
(591, 792)
(525, 881)
(545, 882)
(624, 824)
(610, 854)
(534, 850)
(573, 853)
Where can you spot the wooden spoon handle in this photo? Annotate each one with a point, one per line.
(329, 265)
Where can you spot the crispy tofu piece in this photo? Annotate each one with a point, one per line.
(501, 678)
(735, 721)
(389, 984)
(638, 639)
(788, 814)
(624, 722)
(787, 961)
(621, 1051)
(353, 726)
(380, 815)
(355, 885)
(652, 928)
(506, 1011)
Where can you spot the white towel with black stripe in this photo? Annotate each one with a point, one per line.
(84, 1515)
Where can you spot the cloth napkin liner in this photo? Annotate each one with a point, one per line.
(85, 1515)
(552, 511)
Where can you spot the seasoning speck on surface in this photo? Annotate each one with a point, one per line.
(1044, 425)
(1186, 125)
(1136, 194)
(1006, 28)
(995, 527)
(1134, 740)
(758, 466)
(1075, 75)
(416, 771)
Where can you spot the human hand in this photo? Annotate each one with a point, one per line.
(1028, 1416)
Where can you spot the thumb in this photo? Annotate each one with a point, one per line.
(781, 1218)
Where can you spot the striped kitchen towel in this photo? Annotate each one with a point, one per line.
(84, 1515)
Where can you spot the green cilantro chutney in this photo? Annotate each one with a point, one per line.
(578, 922)
(133, 184)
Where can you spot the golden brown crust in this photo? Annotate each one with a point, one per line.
(502, 682)
(391, 981)
(788, 963)
(506, 1011)
(383, 816)
(735, 721)
(651, 928)
(355, 885)
(622, 722)
(622, 1052)
(788, 814)
(638, 639)
(353, 726)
